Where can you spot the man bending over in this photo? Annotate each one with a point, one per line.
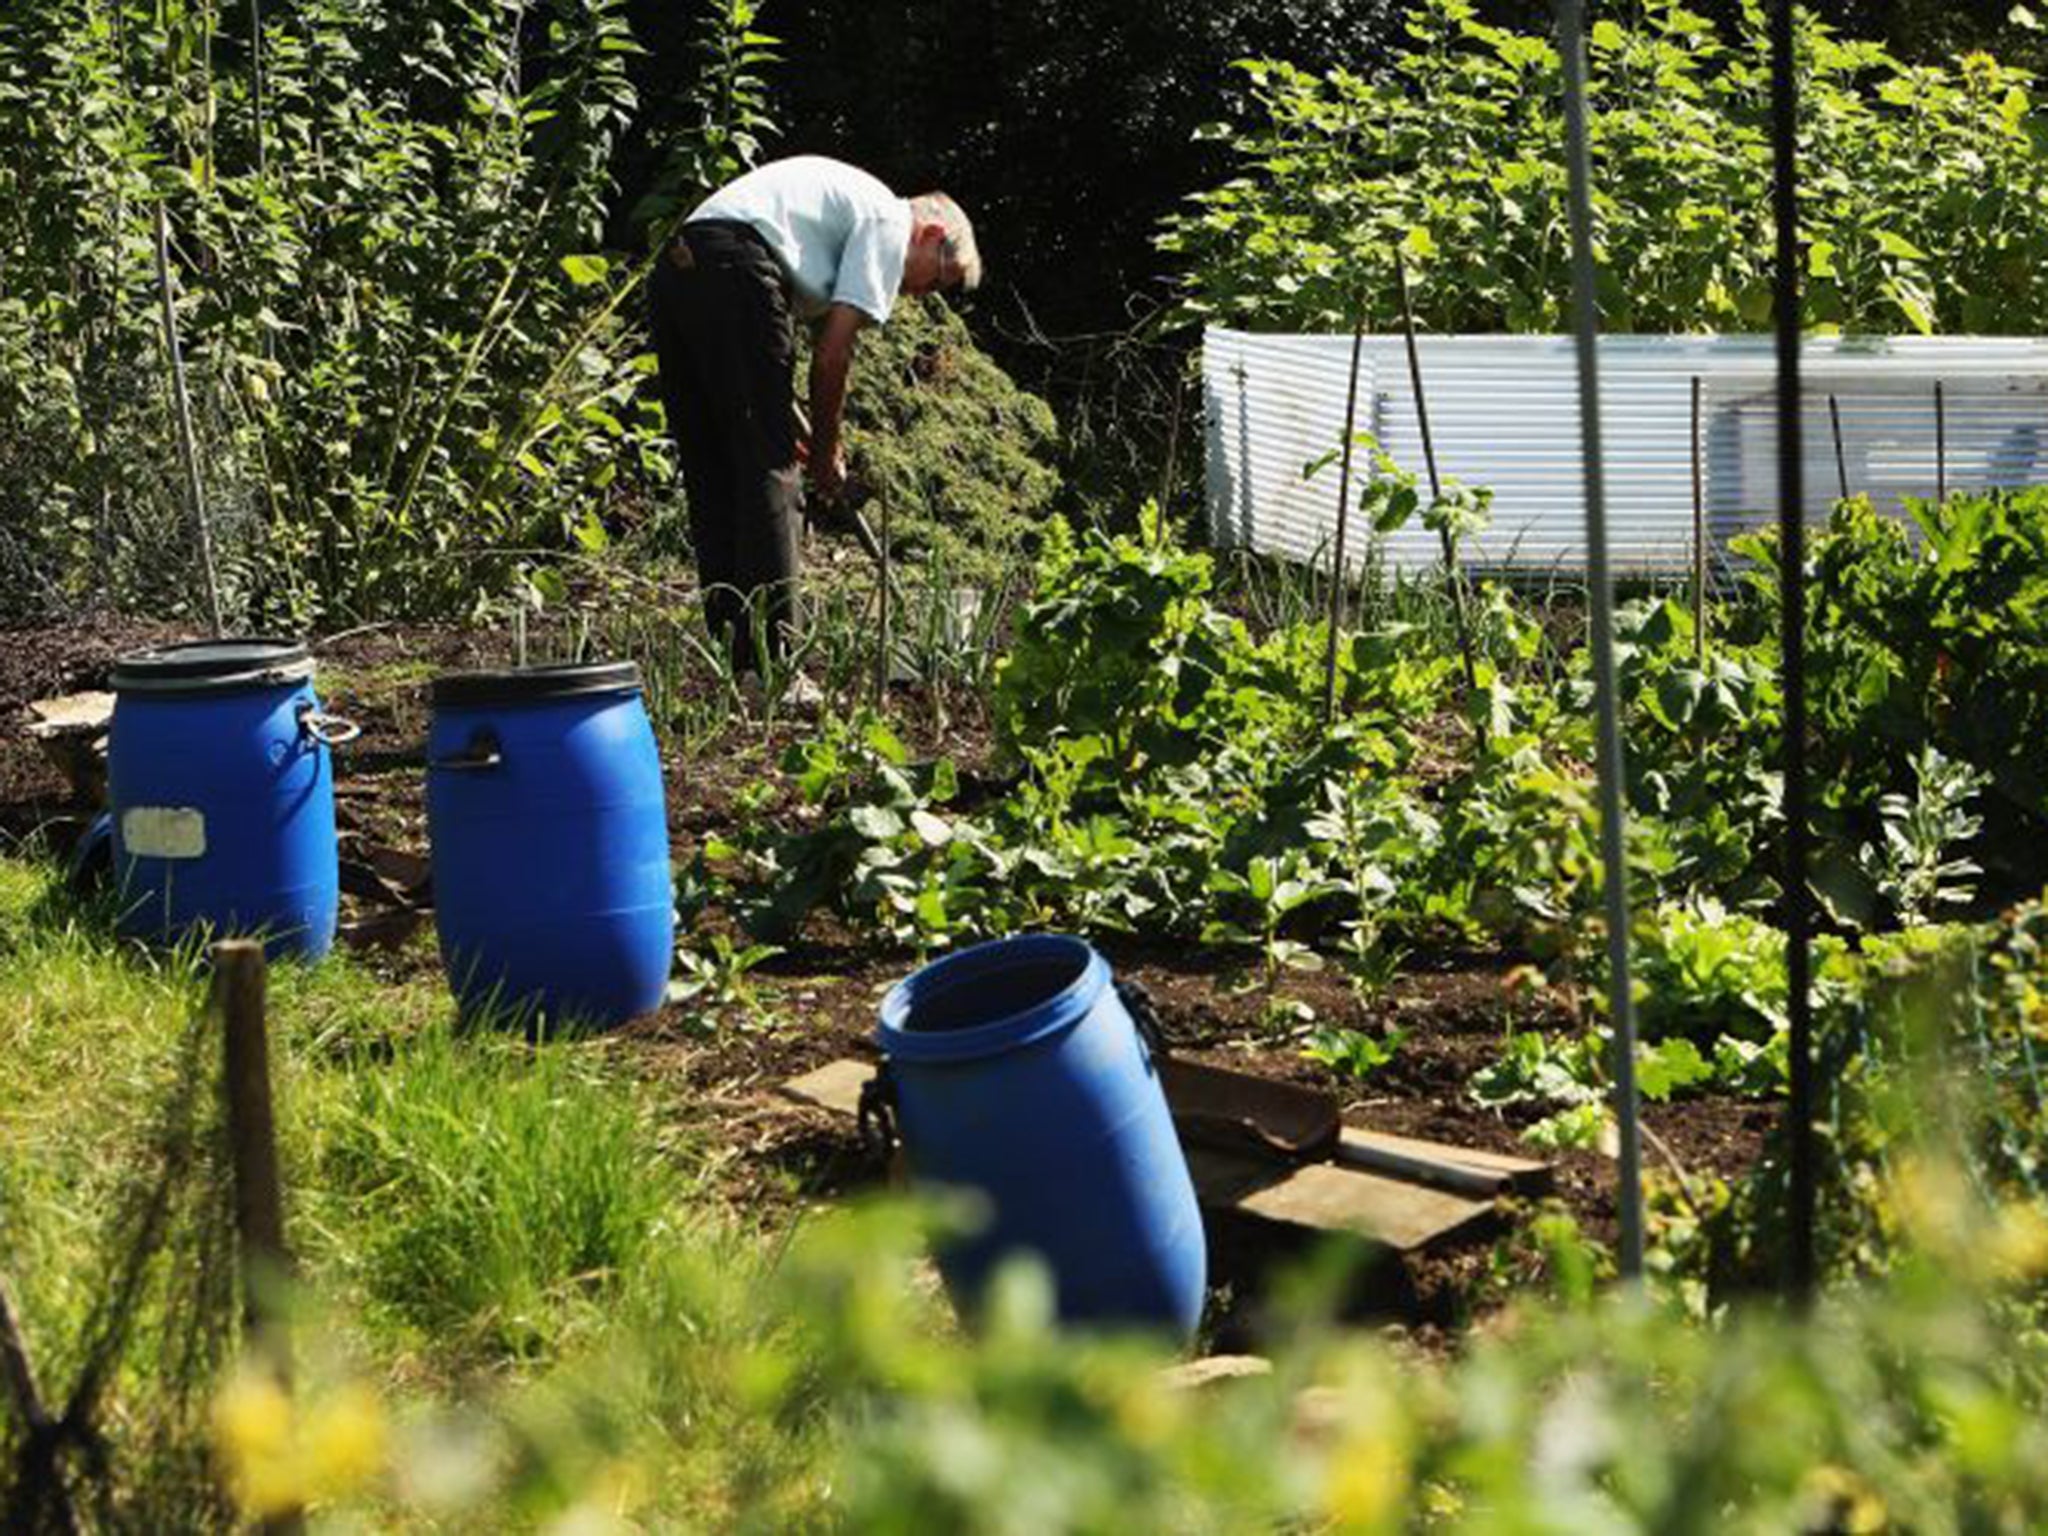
(805, 237)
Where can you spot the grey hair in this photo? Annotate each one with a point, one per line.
(937, 208)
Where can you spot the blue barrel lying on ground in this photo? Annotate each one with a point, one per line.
(220, 785)
(552, 890)
(1018, 1073)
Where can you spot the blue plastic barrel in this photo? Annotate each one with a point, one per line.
(1019, 1074)
(220, 783)
(552, 890)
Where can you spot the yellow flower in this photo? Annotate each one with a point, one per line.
(1368, 1482)
(252, 1424)
(281, 1457)
(346, 1441)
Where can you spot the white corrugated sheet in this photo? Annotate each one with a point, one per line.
(1503, 411)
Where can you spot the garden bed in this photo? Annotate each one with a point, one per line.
(816, 1001)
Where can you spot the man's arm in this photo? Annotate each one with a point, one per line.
(831, 361)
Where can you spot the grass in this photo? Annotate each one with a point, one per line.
(518, 1312)
(463, 1205)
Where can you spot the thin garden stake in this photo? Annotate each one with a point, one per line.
(1172, 469)
(1337, 573)
(882, 648)
(1799, 1215)
(1453, 581)
(1940, 445)
(239, 986)
(1841, 466)
(1699, 536)
(256, 85)
(188, 449)
(1586, 322)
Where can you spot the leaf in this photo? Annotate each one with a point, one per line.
(1418, 242)
(584, 271)
(1898, 245)
(876, 823)
(1912, 306)
(1668, 1066)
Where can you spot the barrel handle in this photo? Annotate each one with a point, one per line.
(878, 1113)
(1144, 1012)
(484, 751)
(328, 730)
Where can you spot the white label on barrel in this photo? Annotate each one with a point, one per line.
(163, 832)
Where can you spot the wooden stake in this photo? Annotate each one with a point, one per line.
(1338, 574)
(238, 992)
(188, 447)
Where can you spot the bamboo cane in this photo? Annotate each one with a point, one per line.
(1585, 314)
(1338, 574)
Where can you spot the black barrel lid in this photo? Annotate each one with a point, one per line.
(213, 666)
(536, 685)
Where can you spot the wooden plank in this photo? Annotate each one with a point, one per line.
(1403, 1216)
(1321, 1197)
(835, 1086)
(1310, 1197)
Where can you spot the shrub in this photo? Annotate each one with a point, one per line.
(1922, 185)
(402, 356)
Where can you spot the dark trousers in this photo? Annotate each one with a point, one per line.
(719, 305)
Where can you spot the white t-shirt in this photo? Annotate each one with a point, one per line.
(840, 234)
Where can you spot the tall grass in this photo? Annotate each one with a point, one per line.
(498, 1194)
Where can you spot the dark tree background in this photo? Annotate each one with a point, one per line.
(1067, 128)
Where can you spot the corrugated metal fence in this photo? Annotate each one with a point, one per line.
(1503, 411)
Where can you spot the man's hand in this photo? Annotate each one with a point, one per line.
(828, 475)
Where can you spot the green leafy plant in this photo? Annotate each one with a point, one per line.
(717, 974)
(1273, 890)
(1353, 1053)
(1922, 179)
(1913, 867)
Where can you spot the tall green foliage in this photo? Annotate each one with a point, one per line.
(1922, 188)
(402, 354)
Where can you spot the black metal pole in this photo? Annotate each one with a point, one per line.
(1940, 445)
(1799, 1216)
(1585, 325)
(1337, 572)
(1699, 536)
(1841, 464)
